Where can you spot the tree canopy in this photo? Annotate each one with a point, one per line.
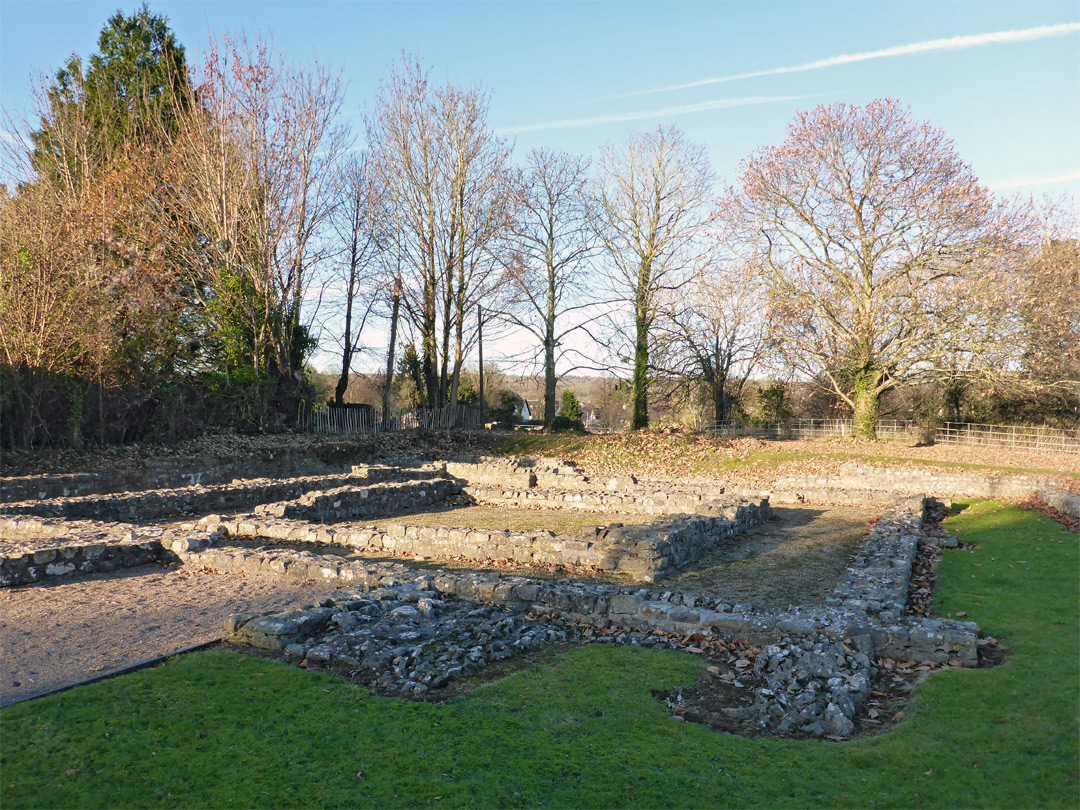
(879, 246)
(133, 89)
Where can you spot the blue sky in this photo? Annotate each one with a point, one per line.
(1013, 107)
(1001, 78)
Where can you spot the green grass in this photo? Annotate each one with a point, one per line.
(216, 730)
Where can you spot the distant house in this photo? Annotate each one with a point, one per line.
(522, 410)
(590, 415)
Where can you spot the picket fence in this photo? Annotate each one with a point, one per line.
(362, 421)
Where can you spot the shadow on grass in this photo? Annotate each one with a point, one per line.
(957, 508)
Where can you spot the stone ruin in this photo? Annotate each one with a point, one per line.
(413, 629)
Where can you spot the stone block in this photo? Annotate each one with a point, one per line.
(625, 603)
(526, 591)
(237, 620)
(728, 622)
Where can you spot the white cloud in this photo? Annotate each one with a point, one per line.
(644, 115)
(946, 44)
(1040, 181)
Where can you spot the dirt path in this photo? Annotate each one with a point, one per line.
(796, 558)
(61, 632)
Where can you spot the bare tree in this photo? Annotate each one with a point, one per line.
(482, 197)
(714, 332)
(553, 242)
(406, 157)
(652, 205)
(444, 177)
(256, 163)
(354, 221)
(882, 252)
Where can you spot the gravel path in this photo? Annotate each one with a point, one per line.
(60, 632)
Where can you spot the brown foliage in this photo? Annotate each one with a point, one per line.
(885, 257)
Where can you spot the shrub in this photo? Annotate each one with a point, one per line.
(562, 424)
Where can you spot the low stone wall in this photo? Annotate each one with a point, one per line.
(481, 471)
(195, 500)
(877, 581)
(34, 549)
(645, 553)
(604, 606)
(856, 478)
(1063, 500)
(349, 502)
(166, 474)
(902, 637)
(635, 500)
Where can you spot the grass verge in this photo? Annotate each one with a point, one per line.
(221, 730)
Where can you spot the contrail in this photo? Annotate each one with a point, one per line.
(644, 115)
(1041, 181)
(947, 44)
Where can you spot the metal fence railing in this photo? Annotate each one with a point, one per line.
(894, 429)
(1017, 437)
(359, 421)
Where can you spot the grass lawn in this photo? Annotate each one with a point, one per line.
(218, 730)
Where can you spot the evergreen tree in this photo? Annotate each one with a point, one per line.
(132, 92)
(571, 408)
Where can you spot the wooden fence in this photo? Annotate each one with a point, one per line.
(360, 421)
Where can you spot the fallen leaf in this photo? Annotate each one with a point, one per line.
(929, 772)
(258, 674)
(71, 771)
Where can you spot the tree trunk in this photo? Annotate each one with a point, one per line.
(641, 374)
(549, 381)
(346, 353)
(390, 353)
(720, 399)
(549, 341)
(430, 349)
(867, 396)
